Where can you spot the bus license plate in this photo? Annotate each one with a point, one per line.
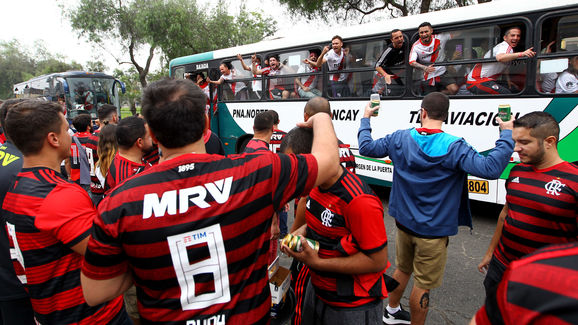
(478, 186)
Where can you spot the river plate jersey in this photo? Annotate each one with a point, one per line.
(541, 210)
(194, 231)
(345, 219)
(44, 230)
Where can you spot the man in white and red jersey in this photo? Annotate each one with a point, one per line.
(425, 52)
(483, 77)
(278, 87)
(256, 84)
(193, 230)
(307, 86)
(344, 215)
(50, 219)
(335, 58)
(134, 139)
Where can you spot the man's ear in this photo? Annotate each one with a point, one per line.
(53, 139)
(550, 142)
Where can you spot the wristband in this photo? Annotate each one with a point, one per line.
(521, 54)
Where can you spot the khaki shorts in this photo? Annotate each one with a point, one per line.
(130, 303)
(425, 258)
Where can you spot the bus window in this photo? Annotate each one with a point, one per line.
(309, 84)
(464, 76)
(244, 68)
(558, 59)
(287, 63)
(231, 90)
(179, 73)
(362, 79)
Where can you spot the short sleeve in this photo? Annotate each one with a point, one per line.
(412, 55)
(364, 218)
(67, 213)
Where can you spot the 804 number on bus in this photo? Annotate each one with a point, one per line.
(478, 186)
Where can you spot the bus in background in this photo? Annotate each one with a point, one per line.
(550, 27)
(81, 90)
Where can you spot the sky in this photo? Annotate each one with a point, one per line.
(30, 20)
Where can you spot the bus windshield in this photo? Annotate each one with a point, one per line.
(89, 94)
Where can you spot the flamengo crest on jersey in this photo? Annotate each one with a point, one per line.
(554, 187)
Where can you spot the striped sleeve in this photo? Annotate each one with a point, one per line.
(104, 257)
(296, 176)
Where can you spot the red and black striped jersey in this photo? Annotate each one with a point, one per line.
(90, 143)
(194, 232)
(43, 231)
(541, 210)
(346, 157)
(276, 138)
(153, 156)
(121, 169)
(541, 288)
(256, 145)
(345, 219)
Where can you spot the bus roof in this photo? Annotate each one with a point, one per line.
(70, 74)
(494, 9)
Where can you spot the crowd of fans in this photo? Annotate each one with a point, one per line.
(145, 220)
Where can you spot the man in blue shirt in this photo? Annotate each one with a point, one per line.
(429, 198)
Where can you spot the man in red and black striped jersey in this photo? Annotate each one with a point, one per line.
(193, 231)
(274, 146)
(50, 219)
(541, 198)
(541, 288)
(134, 139)
(321, 105)
(15, 307)
(346, 218)
(262, 131)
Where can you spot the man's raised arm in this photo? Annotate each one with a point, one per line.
(324, 146)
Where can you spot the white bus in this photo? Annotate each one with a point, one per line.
(550, 27)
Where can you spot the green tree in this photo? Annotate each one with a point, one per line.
(171, 27)
(16, 65)
(130, 78)
(95, 66)
(351, 9)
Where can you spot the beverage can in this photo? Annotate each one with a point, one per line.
(294, 243)
(375, 101)
(504, 112)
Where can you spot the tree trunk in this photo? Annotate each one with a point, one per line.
(132, 107)
(425, 4)
(484, 1)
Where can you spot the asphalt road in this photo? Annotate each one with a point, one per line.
(462, 292)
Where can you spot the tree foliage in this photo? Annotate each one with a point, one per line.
(18, 64)
(352, 9)
(172, 27)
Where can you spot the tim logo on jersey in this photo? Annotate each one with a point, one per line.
(183, 198)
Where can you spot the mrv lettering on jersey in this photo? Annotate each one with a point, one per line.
(183, 198)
